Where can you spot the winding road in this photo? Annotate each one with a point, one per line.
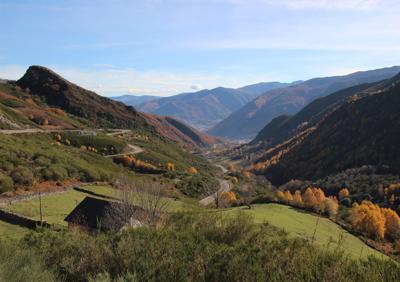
(225, 186)
(128, 150)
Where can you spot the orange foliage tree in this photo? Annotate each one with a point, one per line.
(368, 218)
(331, 206)
(170, 166)
(309, 199)
(297, 199)
(392, 223)
(288, 197)
(192, 170)
(343, 193)
(281, 196)
(226, 199)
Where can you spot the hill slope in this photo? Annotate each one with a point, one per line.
(56, 91)
(282, 127)
(250, 119)
(205, 108)
(180, 132)
(363, 131)
(41, 94)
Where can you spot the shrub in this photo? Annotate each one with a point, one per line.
(17, 264)
(201, 247)
(6, 183)
(198, 185)
(59, 172)
(22, 176)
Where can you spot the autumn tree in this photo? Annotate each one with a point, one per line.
(288, 197)
(392, 223)
(297, 199)
(281, 196)
(170, 166)
(368, 218)
(192, 170)
(344, 193)
(320, 198)
(331, 206)
(226, 198)
(310, 201)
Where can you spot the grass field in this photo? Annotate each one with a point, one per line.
(302, 224)
(295, 222)
(56, 207)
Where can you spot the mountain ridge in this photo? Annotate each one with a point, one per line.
(251, 118)
(362, 131)
(205, 108)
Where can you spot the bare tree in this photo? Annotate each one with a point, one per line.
(140, 202)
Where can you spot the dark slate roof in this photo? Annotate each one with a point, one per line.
(90, 212)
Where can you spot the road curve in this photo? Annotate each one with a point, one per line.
(225, 186)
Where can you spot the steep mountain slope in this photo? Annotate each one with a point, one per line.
(132, 100)
(250, 119)
(205, 108)
(363, 131)
(56, 91)
(179, 132)
(43, 99)
(282, 127)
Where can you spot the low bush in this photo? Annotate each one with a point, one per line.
(198, 185)
(201, 247)
(18, 265)
(22, 176)
(6, 183)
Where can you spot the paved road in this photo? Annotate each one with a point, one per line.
(128, 150)
(225, 186)
(118, 132)
(224, 170)
(39, 130)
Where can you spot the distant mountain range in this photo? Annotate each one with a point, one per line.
(134, 100)
(351, 128)
(206, 108)
(247, 121)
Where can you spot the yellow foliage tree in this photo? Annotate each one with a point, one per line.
(281, 196)
(392, 223)
(192, 170)
(344, 193)
(297, 199)
(368, 218)
(309, 199)
(331, 206)
(226, 199)
(288, 197)
(170, 166)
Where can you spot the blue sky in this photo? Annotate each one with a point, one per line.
(167, 47)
